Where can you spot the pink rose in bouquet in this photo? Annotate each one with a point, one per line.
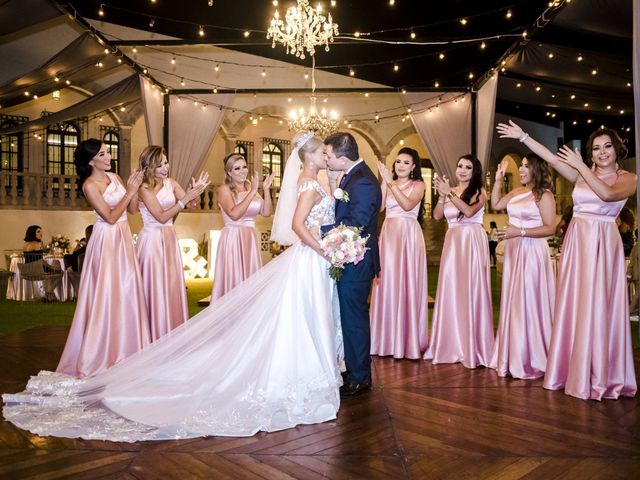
(343, 245)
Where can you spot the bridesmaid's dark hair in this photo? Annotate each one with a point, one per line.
(84, 153)
(540, 175)
(30, 234)
(618, 144)
(475, 183)
(416, 174)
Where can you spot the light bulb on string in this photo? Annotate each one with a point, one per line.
(101, 10)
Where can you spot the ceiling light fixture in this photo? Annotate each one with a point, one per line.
(302, 30)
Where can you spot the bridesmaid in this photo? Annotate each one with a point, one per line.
(399, 317)
(528, 282)
(462, 328)
(238, 250)
(161, 199)
(110, 322)
(590, 355)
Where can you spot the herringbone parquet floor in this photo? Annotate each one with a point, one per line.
(420, 421)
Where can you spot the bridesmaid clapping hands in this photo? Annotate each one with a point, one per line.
(110, 322)
(462, 316)
(238, 251)
(158, 249)
(399, 322)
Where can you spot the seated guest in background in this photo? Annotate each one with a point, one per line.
(32, 244)
(71, 259)
(626, 224)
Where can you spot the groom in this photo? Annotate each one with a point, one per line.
(359, 208)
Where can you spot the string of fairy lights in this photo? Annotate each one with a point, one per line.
(129, 55)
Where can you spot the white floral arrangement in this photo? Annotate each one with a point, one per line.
(340, 195)
(59, 242)
(343, 245)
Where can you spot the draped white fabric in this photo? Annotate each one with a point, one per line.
(152, 100)
(485, 114)
(191, 132)
(445, 131)
(636, 89)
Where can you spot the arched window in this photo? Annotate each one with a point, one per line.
(10, 149)
(62, 140)
(272, 162)
(240, 150)
(245, 148)
(112, 140)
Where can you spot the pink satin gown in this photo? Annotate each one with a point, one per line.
(591, 355)
(399, 317)
(110, 322)
(462, 326)
(527, 299)
(161, 268)
(238, 250)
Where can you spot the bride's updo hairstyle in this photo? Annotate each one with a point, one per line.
(306, 143)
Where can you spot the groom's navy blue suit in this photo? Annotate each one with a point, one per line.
(354, 287)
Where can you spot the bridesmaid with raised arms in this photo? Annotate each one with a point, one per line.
(462, 328)
(238, 250)
(591, 356)
(399, 318)
(159, 257)
(110, 322)
(528, 281)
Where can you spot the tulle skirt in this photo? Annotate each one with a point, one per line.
(238, 258)
(162, 279)
(262, 358)
(462, 328)
(591, 355)
(110, 321)
(399, 319)
(526, 309)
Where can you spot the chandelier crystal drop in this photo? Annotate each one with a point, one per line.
(302, 30)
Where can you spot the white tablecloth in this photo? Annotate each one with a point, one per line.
(29, 291)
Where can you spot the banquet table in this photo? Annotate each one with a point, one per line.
(17, 289)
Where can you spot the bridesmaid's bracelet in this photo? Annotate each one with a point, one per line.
(523, 137)
(523, 232)
(179, 202)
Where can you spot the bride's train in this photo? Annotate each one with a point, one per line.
(261, 358)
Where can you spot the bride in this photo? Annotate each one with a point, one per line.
(261, 358)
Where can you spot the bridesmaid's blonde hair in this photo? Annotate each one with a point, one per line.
(150, 159)
(228, 161)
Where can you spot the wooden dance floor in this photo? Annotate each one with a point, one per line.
(420, 421)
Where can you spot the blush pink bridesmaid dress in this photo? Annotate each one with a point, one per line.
(161, 268)
(462, 326)
(527, 299)
(238, 250)
(399, 317)
(110, 322)
(591, 355)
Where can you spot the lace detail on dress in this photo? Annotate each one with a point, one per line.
(323, 212)
(61, 412)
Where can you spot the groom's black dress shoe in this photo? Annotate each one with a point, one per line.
(353, 389)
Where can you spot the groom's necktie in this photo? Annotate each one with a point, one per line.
(343, 180)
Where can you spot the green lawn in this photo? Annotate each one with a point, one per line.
(17, 316)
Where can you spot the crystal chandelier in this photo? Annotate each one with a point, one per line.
(321, 123)
(303, 29)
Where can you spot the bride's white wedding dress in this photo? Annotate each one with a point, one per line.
(261, 358)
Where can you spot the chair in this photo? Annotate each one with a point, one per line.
(8, 254)
(5, 278)
(49, 279)
(74, 276)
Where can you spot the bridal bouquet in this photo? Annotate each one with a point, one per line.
(343, 245)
